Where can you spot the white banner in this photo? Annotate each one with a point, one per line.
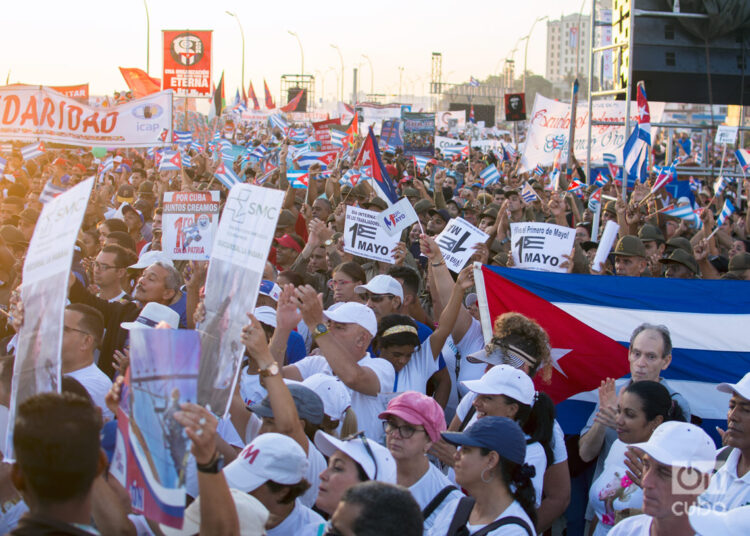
(44, 294)
(364, 236)
(450, 121)
(550, 120)
(375, 114)
(254, 116)
(239, 254)
(541, 246)
(442, 142)
(31, 113)
(398, 217)
(190, 222)
(457, 242)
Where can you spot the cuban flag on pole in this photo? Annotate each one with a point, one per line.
(278, 121)
(664, 176)
(595, 200)
(182, 137)
(49, 192)
(720, 185)
(350, 178)
(743, 157)
(489, 175)
(528, 194)
(635, 153)
(170, 161)
(196, 146)
(324, 158)
(259, 151)
(726, 211)
(422, 161)
(337, 137)
(539, 170)
(32, 151)
(589, 320)
(298, 178)
(369, 156)
(226, 175)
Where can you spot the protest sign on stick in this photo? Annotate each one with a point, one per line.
(398, 217)
(364, 235)
(44, 293)
(238, 258)
(457, 242)
(541, 246)
(189, 225)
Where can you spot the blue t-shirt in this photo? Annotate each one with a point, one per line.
(181, 308)
(295, 348)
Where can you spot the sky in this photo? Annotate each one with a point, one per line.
(64, 43)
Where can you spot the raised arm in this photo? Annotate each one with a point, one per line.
(451, 311)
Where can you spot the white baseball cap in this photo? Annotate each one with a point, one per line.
(504, 380)
(250, 511)
(270, 456)
(707, 522)
(153, 313)
(382, 284)
(353, 313)
(379, 465)
(149, 258)
(266, 315)
(681, 444)
(335, 396)
(742, 387)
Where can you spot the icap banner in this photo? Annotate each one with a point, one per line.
(550, 120)
(190, 222)
(32, 113)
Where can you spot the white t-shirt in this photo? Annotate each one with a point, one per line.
(514, 510)
(366, 407)
(472, 341)
(97, 384)
(608, 495)
(414, 375)
(559, 452)
(633, 526)
(316, 465)
(426, 488)
(726, 490)
(449, 356)
(251, 391)
(301, 517)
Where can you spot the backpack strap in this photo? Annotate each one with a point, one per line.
(511, 520)
(461, 517)
(469, 415)
(436, 501)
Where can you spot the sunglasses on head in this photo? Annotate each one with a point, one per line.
(361, 435)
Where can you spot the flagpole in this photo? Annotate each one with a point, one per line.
(572, 131)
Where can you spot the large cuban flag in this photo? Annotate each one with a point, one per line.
(590, 318)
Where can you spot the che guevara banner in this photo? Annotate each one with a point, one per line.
(187, 62)
(33, 113)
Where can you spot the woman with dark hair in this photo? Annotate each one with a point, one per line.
(642, 406)
(345, 278)
(490, 466)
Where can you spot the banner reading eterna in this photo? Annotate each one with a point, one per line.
(33, 113)
(187, 62)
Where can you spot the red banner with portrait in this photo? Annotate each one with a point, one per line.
(187, 62)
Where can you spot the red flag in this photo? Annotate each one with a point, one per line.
(351, 132)
(583, 356)
(140, 83)
(251, 94)
(292, 104)
(269, 100)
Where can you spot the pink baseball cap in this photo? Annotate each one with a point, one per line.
(416, 408)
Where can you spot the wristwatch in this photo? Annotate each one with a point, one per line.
(320, 329)
(214, 466)
(270, 370)
(328, 243)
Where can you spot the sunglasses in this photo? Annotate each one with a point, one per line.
(361, 435)
(376, 298)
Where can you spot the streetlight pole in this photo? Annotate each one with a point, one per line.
(341, 57)
(526, 50)
(301, 52)
(400, 79)
(372, 76)
(148, 37)
(242, 35)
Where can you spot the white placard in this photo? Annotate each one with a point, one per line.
(190, 222)
(457, 242)
(605, 244)
(398, 217)
(726, 135)
(541, 246)
(451, 121)
(365, 237)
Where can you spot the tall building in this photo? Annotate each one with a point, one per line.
(563, 38)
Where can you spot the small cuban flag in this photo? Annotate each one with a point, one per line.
(277, 121)
(743, 157)
(196, 146)
(528, 194)
(694, 185)
(182, 137)
(720, 184)
(350, 178)
(32, 151)
(226, 175)
(489, 175)
(664, 176)
(259, 151)
(726, 211)
(595, 200)
(601, 181)
(170, 161)
(298, 178)
(539, 170)
(576, 185)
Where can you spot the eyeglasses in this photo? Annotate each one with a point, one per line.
(69, 329)
(333, 283)
(406, 431)
(103, 267)
(376, 298)
(368, 449)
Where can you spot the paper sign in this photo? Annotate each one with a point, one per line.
(364, 236)
(541, 246)
(605, 244)
(726, 135)
(457, 242)
(189, 226)
(398, 217)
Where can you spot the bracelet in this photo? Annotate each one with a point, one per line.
(210, 463)
(435, 264)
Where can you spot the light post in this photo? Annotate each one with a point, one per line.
(526, 50)
(372, 76)
(400, 80)
(301, 52)
(148, 37)
(242, 35)
(341, 57)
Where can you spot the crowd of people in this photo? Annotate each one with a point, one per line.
(368, 400)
